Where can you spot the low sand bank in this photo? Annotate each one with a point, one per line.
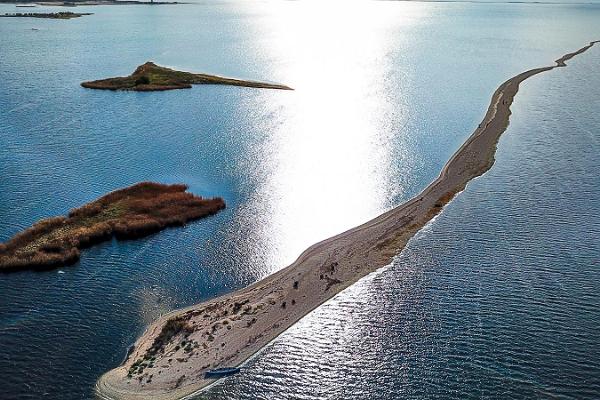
(170, 359)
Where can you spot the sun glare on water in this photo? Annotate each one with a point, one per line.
(330, 155)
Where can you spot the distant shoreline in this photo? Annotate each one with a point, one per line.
(170, 359)
(91, 3)
(58, 15)
(137, 2)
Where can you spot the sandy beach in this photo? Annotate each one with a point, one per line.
(167, 364)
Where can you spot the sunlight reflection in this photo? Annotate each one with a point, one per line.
(331, 154)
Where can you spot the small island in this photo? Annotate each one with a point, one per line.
(129, 213)
(152, 77)
(56, 15)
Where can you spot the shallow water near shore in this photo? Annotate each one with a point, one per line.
(363, 131)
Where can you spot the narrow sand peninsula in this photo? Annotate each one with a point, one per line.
(170, 360)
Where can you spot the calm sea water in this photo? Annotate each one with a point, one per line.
(496, 298)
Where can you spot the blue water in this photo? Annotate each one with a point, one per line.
(385, 93)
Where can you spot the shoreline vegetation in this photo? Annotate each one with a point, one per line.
(170, 360)
(61, 3)
(130, 213)
(57, 15)
(151, 77)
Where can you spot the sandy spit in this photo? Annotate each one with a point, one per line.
(228, 330)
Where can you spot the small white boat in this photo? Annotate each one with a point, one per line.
(26, 5)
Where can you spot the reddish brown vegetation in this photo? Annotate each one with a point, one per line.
(129, 213)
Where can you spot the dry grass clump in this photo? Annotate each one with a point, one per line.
(172, 328)
(129, 213)
(151, 77)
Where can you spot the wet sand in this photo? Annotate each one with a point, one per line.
(228, 330)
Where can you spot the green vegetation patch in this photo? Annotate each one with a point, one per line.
(151, 77)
